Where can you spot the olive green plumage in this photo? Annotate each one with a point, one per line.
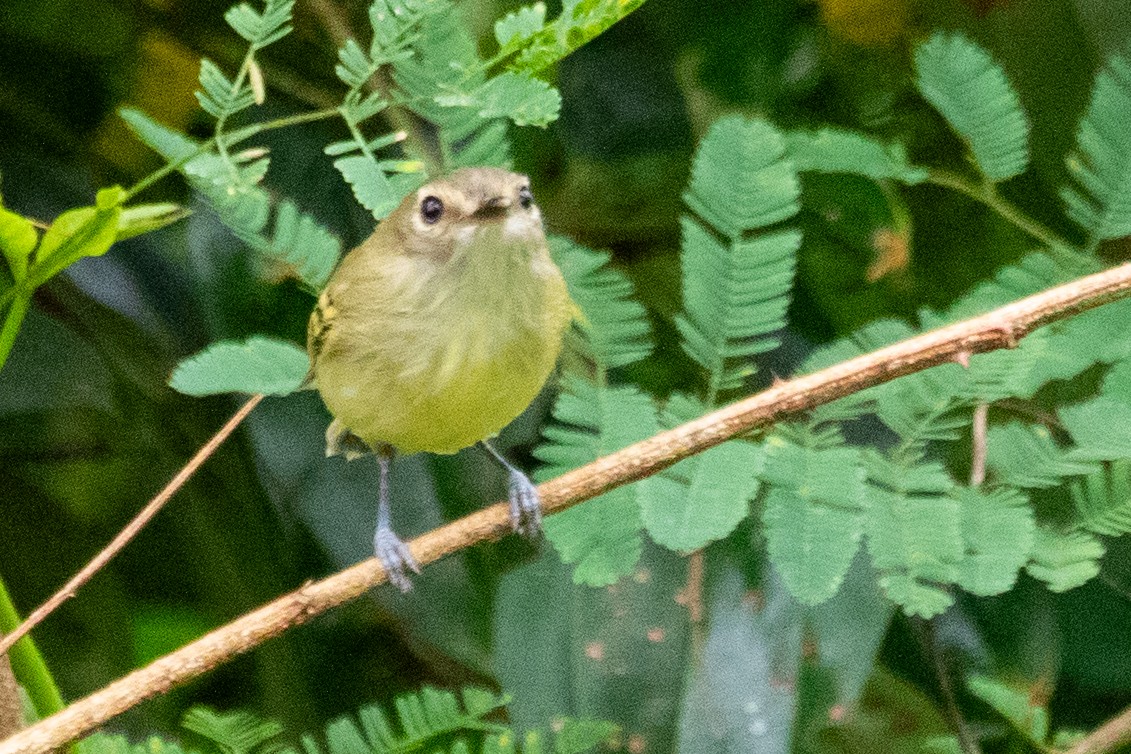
(440, 328)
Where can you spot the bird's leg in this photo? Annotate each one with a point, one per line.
(391, 551)
(526, 506)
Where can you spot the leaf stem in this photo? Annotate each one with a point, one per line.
(15, 318)
(28, 664)
(986, 193)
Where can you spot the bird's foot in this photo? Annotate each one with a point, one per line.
(526, 505)
(395, 558)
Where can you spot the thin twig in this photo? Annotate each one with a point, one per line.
(1108, 737)
(967, 741)
(978, 444)
(1001, 328)
(131, 529)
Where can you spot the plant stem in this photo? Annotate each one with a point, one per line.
(986, 194)
(12, 323)
(27, 663)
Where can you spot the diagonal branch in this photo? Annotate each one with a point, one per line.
(131, 530)
(1000, 328)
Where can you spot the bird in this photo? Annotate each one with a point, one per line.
(438, 331)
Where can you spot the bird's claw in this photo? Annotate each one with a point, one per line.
(526, 505)
(395, 558)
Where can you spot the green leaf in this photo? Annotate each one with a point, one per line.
(77, 233)
(812, 516)
(237, 732)
(1064, 560)
(261, 29)
(445, 60)
(1026, 456)
(614, 324)
(703, 498)
(257, 365)
(513, 29)
(1103, 499)
(914, 532)
(736, 285)
(105, 743)
(219, 96)
(740, 179)
(426, 720)
(580, 22)
(146, 218)
(1014, 705)
(997, 534)
(17, 241)
(377, 192)
(972, 92)
(602, 535)
(527, 101)
(833, 150)
(1100, 197)
(1099, 428)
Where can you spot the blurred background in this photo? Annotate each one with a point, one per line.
(89, 430)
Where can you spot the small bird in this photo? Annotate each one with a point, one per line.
(437, 331)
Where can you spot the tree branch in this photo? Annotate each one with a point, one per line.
(1001, 328)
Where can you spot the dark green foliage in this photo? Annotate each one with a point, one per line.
(806, 536)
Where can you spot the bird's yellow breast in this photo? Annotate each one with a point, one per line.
(429, 356)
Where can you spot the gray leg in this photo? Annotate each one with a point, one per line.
(526, 506)
(391, 551)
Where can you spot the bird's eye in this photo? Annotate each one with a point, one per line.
(431, 209)
(525, 198)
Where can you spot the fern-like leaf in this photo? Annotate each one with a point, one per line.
(580, 21)
(1103, 500)
(703, 498)
(602, 536)
(257, 365)
(971, 91)
(997, 534)
(523, 99)
(424, 719)
(813, 516)
(614, 325)
(445, 60)
(1100, 199)
(220, 96)
(914, 532)
(1064, 560)
(299, 244)
(513, 29)
(261, 29)
(833, 150)
(736, 286)
(376, 189)
(237, 732)
(1026, 456)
